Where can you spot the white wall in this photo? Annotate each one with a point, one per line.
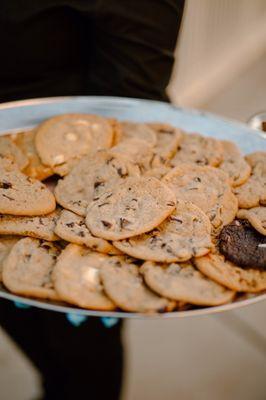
(219, 39)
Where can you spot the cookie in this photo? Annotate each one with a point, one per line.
(6, 244)
(135, 206)
(35, 168)
(77, 278)
(62, 140)
(72, 228)
(117, 130)
(216, 267)
(258, 157)
(185, 233)
(8, 148)
(28, 267)
(91, 177)
(168, 139)
(253, 192)
(137, 151)
(125, 286)
(42, 227)
(240, 243)
(197, 149)
(22, 195)
(137, 130)
(256, 217)
(183, 282)
(157, 172)
(234, 164)
(208, 188)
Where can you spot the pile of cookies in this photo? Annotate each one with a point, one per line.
(140, 217)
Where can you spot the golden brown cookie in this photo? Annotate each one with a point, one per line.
(91, 177)
(72, 228)
(132, 207)
(28, 267)
(137, 130)
(77, 278)
(234, 164)
(200, 150)
(62, 140)
(253, 192)
(216, 267)
(208, 188)
(8, 148)
(124, 285)
(256, 216)
(35, 168)
(184, 234)
(6, 244)
(168, 139)
(183, 282)
(42, 227)
(22, 195)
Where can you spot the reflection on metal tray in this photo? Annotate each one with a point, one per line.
(20, 115)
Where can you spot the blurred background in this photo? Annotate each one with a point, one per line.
(220, 67)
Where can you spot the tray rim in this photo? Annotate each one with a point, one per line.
(51, 306)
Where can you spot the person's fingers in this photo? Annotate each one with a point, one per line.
(21, 305)
(76, 319)
(109, 322)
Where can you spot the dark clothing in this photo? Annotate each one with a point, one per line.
(75, 362)
(81, 47)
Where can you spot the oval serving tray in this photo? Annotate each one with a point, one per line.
(18, 115)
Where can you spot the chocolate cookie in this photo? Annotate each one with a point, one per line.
(243, 245)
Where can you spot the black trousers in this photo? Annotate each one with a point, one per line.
(81, 47)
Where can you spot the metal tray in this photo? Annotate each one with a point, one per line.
(19, 115)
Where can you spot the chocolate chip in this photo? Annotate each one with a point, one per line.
(5, 185)
(81, 234)
(106, 224)
(197, 179)
(124, 222)
(103, 204)
(98, 183)
(176, 219)
(170, 204)
(120, 173)
(109, 160)
(70, 224)
(8, 197)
